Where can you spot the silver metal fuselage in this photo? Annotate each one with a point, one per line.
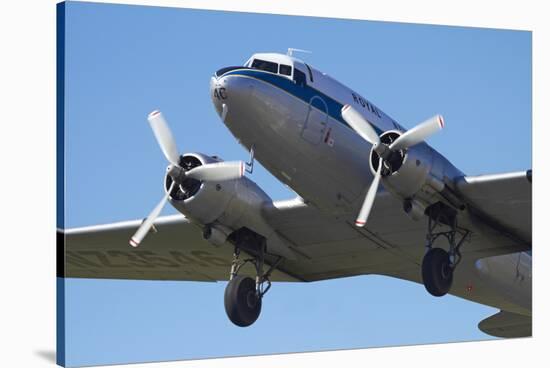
(312, 151)
(300, 137)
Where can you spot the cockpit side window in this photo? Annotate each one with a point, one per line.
(285, 69)
(268, 66)
(299, 77)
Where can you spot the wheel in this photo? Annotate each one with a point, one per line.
(242, 304)
(437, 273)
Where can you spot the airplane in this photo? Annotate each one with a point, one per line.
(372, 198)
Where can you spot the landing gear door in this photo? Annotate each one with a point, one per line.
(316, 120)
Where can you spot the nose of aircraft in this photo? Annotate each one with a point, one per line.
(215, 86)
(230, 90)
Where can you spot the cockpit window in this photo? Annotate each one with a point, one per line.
(265, 65)
(299, 77)
(285, 69)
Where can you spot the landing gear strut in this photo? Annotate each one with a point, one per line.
(438, 265)
(243, 295)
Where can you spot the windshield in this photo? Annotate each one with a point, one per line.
(265, 65)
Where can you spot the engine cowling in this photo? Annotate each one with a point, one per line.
(408, 171)
(412, 175)
(226, 206)
(208, 202)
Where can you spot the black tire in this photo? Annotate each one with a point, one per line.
(242, 304)
(437, 273)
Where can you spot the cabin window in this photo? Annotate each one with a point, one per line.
(285, 69)
(268, 66)
(299, 77)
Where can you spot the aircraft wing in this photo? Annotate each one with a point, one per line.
(175, 250)
(499, 215)
(504, 199)
(328, 246)
(392, 244)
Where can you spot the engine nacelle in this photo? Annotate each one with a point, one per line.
(413, 173)
(206, 202)
(413, 176)
(225, 205)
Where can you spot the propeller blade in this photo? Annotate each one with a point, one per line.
(360, 125)
(419, 133)
(218, 171)
(148, 223)
(370, 197)
(164, 136)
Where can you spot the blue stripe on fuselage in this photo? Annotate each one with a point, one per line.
(304, 93)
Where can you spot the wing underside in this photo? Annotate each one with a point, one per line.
(328, 246)
(175, 250)
(392, 243)
(504, 199)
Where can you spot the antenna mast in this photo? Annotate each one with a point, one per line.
(291, 50)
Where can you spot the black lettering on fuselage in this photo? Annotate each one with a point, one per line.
(376, 111)
(365, 104)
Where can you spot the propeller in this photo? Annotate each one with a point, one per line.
(217, 171)
(148, 222)
(408, 139)
(360, 125)
(369, 198)
(164, 137)
(418, 134)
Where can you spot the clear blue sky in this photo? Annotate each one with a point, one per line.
(124, 61)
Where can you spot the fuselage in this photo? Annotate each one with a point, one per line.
(290, 114)
(296, 128)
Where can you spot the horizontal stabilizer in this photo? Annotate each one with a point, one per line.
(506, 324)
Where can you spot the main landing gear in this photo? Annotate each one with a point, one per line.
(438, 265)
(243, 295)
